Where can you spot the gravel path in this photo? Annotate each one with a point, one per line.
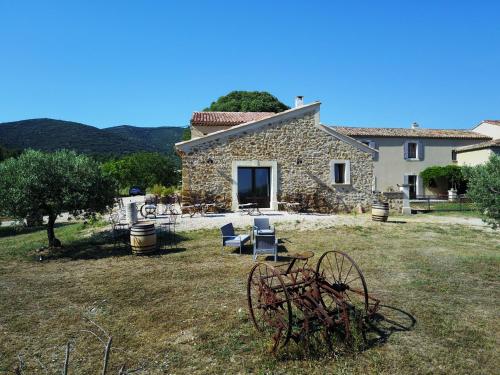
(285, 220)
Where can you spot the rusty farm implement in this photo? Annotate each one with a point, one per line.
(295, 300)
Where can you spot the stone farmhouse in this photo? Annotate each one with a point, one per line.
(275, 157)
(266, 158)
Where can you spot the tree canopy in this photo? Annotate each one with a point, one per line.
(143, 169)
(38, 183)
(247, 101)
(484, 189)
(6, 153)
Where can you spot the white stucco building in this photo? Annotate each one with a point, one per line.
(405, 152)
(480, 153)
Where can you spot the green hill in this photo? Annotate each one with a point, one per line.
(161, 138)
(49, 135)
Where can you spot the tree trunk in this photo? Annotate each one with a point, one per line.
(53, 241)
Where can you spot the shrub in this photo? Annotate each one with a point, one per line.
(143, 169)
(484, 189)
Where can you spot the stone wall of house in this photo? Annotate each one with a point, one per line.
(303, 153)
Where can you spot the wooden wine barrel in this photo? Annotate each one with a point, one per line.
(143, 238)
(380, 211)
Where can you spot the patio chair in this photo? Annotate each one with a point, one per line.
(261, 226)
(265, 244)
(229, 238)
(120, 230)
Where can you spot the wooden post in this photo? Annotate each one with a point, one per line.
(106, 355)
(66, 360)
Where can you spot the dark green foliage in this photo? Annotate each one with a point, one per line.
(247, 101)
(143, 169)
(449, 175)
(484, 189)
(186, 135)
(51, 135)
(157, 139)
(38, 183)
(6, 153)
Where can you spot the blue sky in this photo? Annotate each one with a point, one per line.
(150, 63)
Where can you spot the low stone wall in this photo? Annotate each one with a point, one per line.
(394, 198)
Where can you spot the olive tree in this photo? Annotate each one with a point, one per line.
(484, 189)
(38, 183)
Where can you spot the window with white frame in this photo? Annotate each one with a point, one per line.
(340, 172)
(413, 150)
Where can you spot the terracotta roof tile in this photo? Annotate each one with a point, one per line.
(479, 146)
(493, 122)
(402, 132)
(227, 118)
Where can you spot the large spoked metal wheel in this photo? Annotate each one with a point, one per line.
(269, 304)
(343, 275)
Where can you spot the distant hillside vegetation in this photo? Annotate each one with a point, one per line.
(50, 135)
(160, 139)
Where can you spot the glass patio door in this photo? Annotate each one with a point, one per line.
(254, 185)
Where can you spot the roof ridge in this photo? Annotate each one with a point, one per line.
(398, 128)
(409, 132)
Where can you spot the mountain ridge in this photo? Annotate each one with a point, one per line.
(49, 134)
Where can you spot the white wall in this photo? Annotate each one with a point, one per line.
(391, 167)
(474, 157)
(490, 130)
(198, 131)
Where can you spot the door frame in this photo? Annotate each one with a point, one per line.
(262, 201)
(272, 164)
(419, 190)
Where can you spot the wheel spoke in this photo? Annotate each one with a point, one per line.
(346, 276)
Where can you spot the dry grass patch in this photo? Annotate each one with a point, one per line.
(185, 311)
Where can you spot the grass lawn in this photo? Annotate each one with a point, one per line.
(185, 311)
(447, 208)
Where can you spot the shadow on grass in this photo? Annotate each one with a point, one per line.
(102, 245)
(248, 250)
(15, 230)
(376, 331)
(385, 322)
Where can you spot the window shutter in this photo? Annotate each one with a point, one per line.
(420, 186)
(405, 150)
(347, 172)
(405, 181)
(420, 150)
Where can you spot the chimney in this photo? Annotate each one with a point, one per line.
(299, 101)
(415, 125)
